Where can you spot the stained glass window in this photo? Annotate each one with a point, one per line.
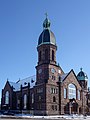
(32, 97)
(78, 94)
(65, 92)
(71, 91)
(7, 97)
(25, 101)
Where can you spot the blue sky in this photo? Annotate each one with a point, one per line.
(21, 24)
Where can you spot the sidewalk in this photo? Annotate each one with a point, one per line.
(60, 117)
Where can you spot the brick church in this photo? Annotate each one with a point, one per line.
(51, 91)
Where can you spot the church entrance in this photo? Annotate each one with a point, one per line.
(73, 106)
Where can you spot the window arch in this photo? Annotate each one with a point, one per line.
(53, 55)
(25, 101)
(54, 99)
(65, 93)
(32, 97)
(46, 54)
(7, 97)
(59, 79)
(79, 96)
(71, 91)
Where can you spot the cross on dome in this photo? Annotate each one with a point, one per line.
(46, 23)
(81, 68)
(46, 14)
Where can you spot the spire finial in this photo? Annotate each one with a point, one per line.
(81, 68)
(46, 23)
(46, 14)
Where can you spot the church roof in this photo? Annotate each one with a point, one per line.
(82, 75)
(24, 82)
(47, 36)
(16, 86)
(64, 76)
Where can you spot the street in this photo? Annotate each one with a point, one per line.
(34, 119)
(41, 119)
(8, 118)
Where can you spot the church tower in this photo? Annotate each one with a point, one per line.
(47, 72)
(83, 79)
(47, 48)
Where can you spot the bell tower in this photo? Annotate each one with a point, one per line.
(46, 48)
(47, 70)
(46, 45)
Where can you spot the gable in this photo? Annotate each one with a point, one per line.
(17, 85)
(7, 87)
(71, 78)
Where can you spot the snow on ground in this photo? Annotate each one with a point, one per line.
(72, 117)
(80, 117)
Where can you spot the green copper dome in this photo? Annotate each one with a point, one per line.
(47, 36)
(46, 23)
(82, 75)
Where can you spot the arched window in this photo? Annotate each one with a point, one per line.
(71, 91)
(54, 99)
(40, 56)
(79, 95)
(65, 93)
(59, 79)
(53, 55)
(46, 54)
(25, 101)
(32, 97)
(7, 97)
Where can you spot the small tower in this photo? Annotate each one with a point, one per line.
(82, 78)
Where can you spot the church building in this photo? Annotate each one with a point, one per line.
(51, 91)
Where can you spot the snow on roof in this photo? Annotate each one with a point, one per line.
(16, 86)
(24, 83)
(31, 80)
(63, 76)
